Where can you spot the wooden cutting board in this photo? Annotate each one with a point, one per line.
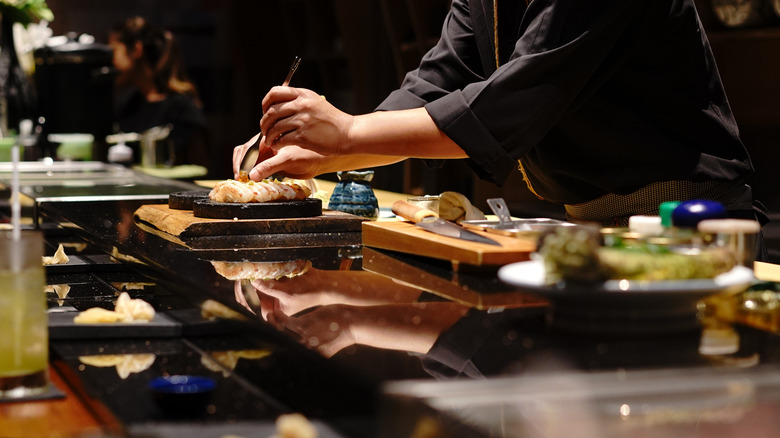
(408, 238)
(182, 223)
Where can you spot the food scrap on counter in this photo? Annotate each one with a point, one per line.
(294, 426)
(125, 364)
(126, 310)
(59, 257)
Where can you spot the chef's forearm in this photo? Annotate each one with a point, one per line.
(405, 133)
(406, 327)
(357, 161)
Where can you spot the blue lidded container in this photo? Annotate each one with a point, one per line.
(689, 213)
(182, 395)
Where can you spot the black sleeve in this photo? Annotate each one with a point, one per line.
(497, 116)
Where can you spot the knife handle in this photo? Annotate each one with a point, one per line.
(411, 212)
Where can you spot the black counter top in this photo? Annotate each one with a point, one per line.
(336, 335)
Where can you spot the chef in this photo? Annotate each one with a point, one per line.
(609, 108)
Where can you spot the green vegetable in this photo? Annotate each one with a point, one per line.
(575, 254)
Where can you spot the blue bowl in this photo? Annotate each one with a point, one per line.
(180, 395)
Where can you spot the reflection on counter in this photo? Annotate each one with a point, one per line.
(125, 364)
(331, 310)
(261, 270)
(673, 402)
(226, 361)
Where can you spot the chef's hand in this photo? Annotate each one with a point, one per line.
(291, 162)
(301, 117)
(327, 329)
(296, 294)
(239, 152)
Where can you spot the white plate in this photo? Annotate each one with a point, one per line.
(530, 276)
(621, 306)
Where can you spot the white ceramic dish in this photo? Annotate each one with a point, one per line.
(530, 275)
(624, 306)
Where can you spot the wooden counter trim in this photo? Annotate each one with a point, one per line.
(61, 417)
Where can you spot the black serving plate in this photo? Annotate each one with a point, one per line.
(206, 208)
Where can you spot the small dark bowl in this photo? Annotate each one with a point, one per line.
(179, 395)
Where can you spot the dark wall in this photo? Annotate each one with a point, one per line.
(749, 63)
(235, 50)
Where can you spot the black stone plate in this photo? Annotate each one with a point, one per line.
(61, 326)
(206, 208)
(184, 200)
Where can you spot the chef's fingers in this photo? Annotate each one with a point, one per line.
(279, 94)
(289, 161)
(279, 120)
(261, 169)
(267, 305)
(265, 168)
(287, 109)
(240, 151)
(238, 290)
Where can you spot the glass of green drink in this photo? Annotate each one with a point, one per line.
(24, 345)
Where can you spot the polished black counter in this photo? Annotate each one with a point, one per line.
(330, 342)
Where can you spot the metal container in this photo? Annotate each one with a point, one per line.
(529, 227)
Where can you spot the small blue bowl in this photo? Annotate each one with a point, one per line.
(180, 395)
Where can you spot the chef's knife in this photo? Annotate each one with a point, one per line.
(428, 220)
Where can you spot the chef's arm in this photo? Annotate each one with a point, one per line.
(412, 328)
(325, 287)
(308, 136)
(403, 327)
(406, 133)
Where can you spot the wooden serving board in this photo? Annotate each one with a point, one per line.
(182, 223)
(409, 238)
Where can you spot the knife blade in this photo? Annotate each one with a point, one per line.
(429, 221)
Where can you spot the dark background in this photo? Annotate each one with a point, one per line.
(354, 52)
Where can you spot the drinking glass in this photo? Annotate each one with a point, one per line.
(24, 345)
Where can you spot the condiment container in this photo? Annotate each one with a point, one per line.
(738, 235)
(182, 395)
(689, 213)
(665, 211)
(647, 225)
(430, 202)
(353, 194)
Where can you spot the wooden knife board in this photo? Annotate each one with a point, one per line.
(408, 238)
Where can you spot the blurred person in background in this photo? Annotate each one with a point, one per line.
(154, 90)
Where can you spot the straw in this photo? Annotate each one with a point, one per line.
(16, 207)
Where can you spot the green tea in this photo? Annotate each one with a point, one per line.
(23, 323)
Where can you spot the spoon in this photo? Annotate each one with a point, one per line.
(252, 155)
